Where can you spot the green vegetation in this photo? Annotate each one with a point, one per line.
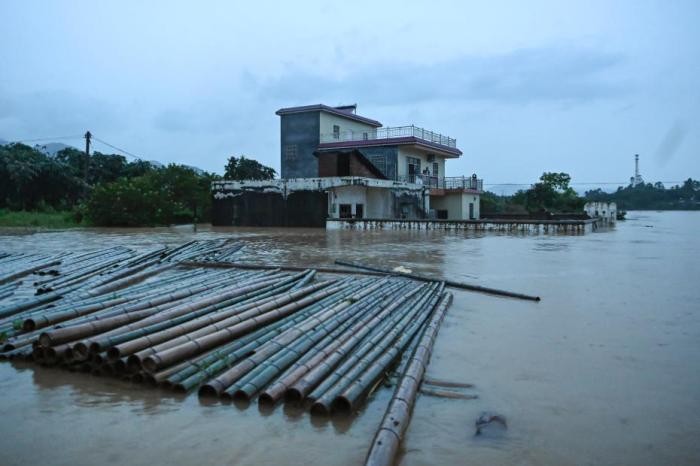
(247, 169)
(652, 196)
(60, 191)
(551, 194)
(47, 219)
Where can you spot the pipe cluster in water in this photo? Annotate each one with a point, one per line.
(236, 334)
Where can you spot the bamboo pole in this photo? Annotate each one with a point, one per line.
(303, 348)
(170, 356)
(388, 437)
(450, 283)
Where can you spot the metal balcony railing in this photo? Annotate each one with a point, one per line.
(390, 133)
(450, 182)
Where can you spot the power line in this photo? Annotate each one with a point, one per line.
(116, 148)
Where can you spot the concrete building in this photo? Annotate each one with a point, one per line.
(605, 212)
(357, 169)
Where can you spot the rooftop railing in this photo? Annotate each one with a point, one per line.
(450, 182)
(390, 133)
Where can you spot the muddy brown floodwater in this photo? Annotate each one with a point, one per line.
(605, 370)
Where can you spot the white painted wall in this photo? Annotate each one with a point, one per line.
(328, 120)
(408, 151)
(352, 195)
(457, 205)
(604, 210)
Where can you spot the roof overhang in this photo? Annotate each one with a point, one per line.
(447, 152)
(341, 112)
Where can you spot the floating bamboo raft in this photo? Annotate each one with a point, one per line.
(175, 318)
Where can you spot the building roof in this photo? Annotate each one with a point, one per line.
(343, 111)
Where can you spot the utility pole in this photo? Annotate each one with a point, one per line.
(88, 135)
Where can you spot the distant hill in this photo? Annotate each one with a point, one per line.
(52, 148)
(3, 142)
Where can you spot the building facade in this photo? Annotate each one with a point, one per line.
(370, 171)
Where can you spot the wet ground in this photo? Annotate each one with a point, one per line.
(604, 370)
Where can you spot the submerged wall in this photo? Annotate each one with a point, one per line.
(572, 227)
(265, 209)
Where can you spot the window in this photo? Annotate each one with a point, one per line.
(336, 132)
(413, 168)
(442, 214)
(365, 136)
(290, 152)
(436, 169)
(379, 161)
(345, 211)
(359, 210)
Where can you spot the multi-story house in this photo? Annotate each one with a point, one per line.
(338, 164)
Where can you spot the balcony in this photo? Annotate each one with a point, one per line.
(396, 132)
(450, 182)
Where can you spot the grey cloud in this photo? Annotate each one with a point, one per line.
(671, 142)
(56, 112)
(556, 74)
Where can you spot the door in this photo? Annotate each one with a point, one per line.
(471, 211)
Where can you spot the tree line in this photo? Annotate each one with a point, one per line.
(648, 196)
(551, 193)
(108, 190)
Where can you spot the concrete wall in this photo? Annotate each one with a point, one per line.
(270, 209)
(606, 211)
(352, 195)
(565, 227)
(381, 198)
(327, 121)
(377, 202)
(457, 205)
(408, 151)
(302, 131)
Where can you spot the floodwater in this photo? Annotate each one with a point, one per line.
(604, 370)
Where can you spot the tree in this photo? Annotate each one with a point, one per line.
(247, 169)
(559, 181)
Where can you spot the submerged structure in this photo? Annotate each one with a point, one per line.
(338, 165)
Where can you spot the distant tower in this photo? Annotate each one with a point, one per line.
(637, 178)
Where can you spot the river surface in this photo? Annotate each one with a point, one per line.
(604, 370)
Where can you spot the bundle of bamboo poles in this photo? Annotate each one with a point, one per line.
(234, 333)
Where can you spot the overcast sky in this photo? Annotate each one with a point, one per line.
(525, 87)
